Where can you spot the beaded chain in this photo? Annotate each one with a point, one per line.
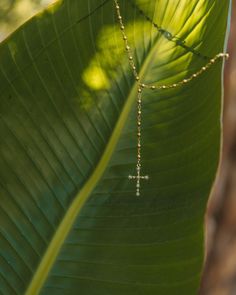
(138, 177)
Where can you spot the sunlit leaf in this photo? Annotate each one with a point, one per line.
(70, 221)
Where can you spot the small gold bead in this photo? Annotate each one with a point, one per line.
(122, 28)
(137, 78)
(203, 68)
(134, 67)
(124, 38)
(163, 86)
(226, 55)
(130, 58)
(153, 87)
(143, 85)
(194, 75)
(185, 81)
(212, 60)
(117, 7)
(120, 17)
(139, 90)
(174, 85)
(127, 48)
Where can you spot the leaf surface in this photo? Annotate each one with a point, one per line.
(70, 221)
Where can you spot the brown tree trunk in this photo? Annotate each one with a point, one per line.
(219, 276)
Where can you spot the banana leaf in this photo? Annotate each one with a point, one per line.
(69, 217)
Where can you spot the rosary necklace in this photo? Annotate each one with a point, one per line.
(141, 86)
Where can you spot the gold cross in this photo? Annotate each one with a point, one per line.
(138, 177)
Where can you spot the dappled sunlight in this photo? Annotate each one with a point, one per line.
(110, 56)
(95, 78)
(105, 65)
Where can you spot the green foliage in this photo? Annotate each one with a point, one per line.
(70, 221)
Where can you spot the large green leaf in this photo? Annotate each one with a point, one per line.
(70, 220)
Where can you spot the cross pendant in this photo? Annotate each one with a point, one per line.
(138, 177)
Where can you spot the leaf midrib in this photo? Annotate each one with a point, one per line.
(72, 213)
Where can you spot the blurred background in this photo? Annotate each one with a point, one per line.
(15, 12)
(219, 277)
(220, 270)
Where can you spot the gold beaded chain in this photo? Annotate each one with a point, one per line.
(142, 86)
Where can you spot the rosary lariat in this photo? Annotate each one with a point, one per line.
(140, 86)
